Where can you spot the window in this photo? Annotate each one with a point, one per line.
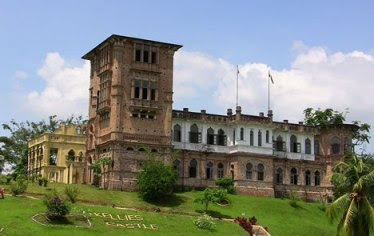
(260, 172)
(53, 156)
(192, 168)
(347, 145)
(294, 145)
(145, 90)
(280, 145)
(335, 145)
(78, 130)
(138, 52)
(154, 55)
(209, 170)
(241, 133)
(294, 176)
(308, 146)
(137, 89)
(316, 146)
(267, 136)
(259, 141)
(71, 155)
(317, 178)
(251, 137)
(146, 54)
(177, 133)
(279, 176)
(307, 178)
(210, 136)
(233, 135)
(248, 173)
(221, 138)
(194, 134)
(176, 165)
(153, 91)
(220, 170)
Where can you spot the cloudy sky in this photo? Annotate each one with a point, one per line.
(320, 54)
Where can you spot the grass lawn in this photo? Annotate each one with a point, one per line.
(275, 214)
(16, 213)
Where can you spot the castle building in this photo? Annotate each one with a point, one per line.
(59, 156)
(130, 106)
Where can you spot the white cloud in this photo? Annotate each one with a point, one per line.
(316, 78)
(66, 90)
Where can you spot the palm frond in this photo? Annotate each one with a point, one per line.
(338, 207)
(369, 213)
(349, 217)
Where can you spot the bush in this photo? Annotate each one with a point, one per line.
(246, 224)
(44, 181)
(8, 179)
(156, 180)
(72, 193)
(56, 207)
(205, 222)
(226, 183)
(40, 181)
(19, 186)
(294, 200)
(211, 196)
(33, 177)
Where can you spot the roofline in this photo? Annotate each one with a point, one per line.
(86, 56)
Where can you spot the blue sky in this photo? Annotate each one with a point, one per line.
(295, 39)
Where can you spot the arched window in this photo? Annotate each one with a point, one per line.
(294, 146)
(78, 130)
(141, 150)
(192, 168)
(316, 147)
(194, 134)
(347, 145)
(259, 141)
(335, 145)
(317, 178)
(176, 165)
(241, 133)
(279, 144)
(209, 170)
(260, 172)
(221, 138)
(129, 149)
(248, 173)
(220, 170)
(279, 179)
(294, 176)
(267, 136)
(251, 138)
(210, 136)
(71, 155)
(177, 133)
(307, 178)
(80, 156)
(308, 146)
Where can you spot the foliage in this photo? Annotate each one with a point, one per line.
(354, 178)
(156, 179)
(226, 183)
(205, 222)
(245, 224)
(56, 207)
(72, 193)
(293, 199)
(104, 162)
(13, 148)
(329, 116)
(19, 186)
(211, 196)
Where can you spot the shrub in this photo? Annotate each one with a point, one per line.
(156, 180)
(245, 224)
(211, 196)
(56, 207)
(294, 200)
(33, 177)
(205, 222)
(45, 181)
(40, 181)
(19, 186)
(72, 193)
(8, 179)
(226, 183)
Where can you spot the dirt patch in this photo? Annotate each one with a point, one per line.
(73, 220)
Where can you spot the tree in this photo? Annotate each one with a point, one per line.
(353, 207)
(211, 196)
(156, 179)
(96, 169)
(329, 116)
(105, 161)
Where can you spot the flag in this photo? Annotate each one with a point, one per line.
(271, 78)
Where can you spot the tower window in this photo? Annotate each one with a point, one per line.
(241, 133)
(259, 138)
(146, 54)
(138, 53)
(154, 55)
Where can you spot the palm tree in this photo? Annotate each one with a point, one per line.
(353, 208)
(105, 161)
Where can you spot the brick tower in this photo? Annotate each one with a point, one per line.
(130, 106)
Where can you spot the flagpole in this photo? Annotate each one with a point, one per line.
(237, 90)
(269, 91)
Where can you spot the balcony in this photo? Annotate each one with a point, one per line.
(142, 103)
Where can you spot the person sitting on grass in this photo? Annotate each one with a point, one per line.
(1, 192)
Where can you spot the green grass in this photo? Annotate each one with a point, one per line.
(275, 214)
